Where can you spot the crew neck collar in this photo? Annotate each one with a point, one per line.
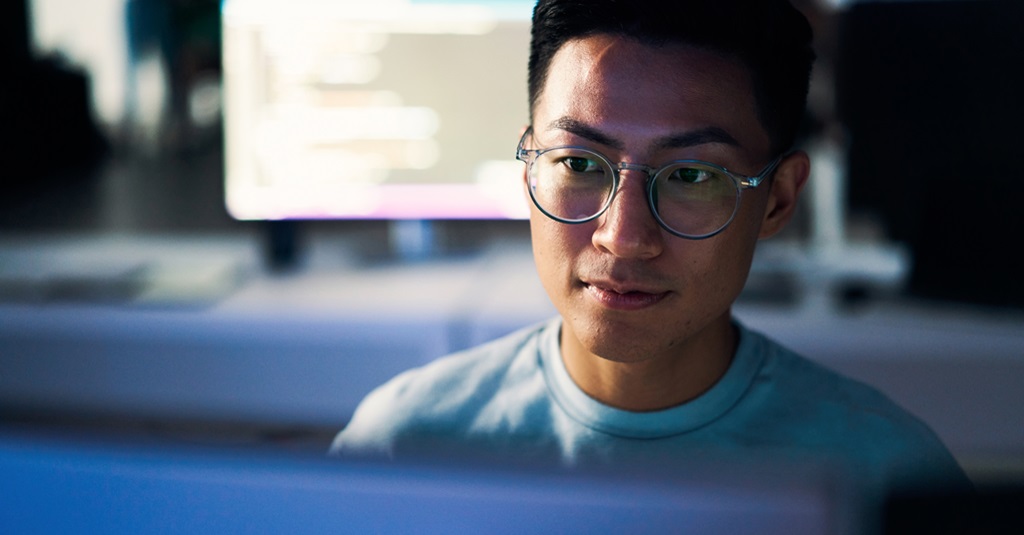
(680, 419)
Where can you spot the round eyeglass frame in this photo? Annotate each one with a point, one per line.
(741, 182)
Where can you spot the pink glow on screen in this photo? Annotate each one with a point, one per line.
(433, 201)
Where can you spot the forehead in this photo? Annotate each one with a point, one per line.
(635, 90)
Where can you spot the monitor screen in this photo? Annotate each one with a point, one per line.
(392, 109)
(85, 486)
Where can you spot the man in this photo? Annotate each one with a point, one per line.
(659, 153)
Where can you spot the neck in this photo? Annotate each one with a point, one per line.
(659, 381)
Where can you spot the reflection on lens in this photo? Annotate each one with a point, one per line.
(571, 184)
(694, 199)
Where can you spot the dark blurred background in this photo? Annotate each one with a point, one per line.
(930, 95)
(139, 165)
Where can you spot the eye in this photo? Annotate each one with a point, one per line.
(691, 175)
(581, 165)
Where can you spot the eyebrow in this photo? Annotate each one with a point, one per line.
(700, 136)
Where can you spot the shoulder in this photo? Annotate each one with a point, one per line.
(838, 414)
(442, 397)
(810, 386)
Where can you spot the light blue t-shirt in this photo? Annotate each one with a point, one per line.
(514, 397)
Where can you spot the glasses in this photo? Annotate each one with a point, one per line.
(689, 198)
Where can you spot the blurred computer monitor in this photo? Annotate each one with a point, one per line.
(391, 109)
(62, 485)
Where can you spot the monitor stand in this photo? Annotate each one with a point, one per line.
(413, 240)
(281, 245)
(408, 241)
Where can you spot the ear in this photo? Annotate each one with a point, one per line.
(789, 178)
(526, 182)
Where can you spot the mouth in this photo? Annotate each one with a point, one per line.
(623, 297)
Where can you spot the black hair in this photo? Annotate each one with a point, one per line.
(770, 37)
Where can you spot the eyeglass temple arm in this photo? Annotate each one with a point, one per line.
(755, 181)
(522, 153)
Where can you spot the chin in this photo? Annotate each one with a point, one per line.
(617, 342)
(630, 355)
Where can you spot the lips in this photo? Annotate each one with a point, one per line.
(623, 296)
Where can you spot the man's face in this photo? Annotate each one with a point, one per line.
(628, 290)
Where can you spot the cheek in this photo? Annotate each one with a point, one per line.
(752, 211)
(733, 263)
(556, 249)
(713, 272)
(548, 249)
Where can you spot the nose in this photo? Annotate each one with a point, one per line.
(628, 228)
